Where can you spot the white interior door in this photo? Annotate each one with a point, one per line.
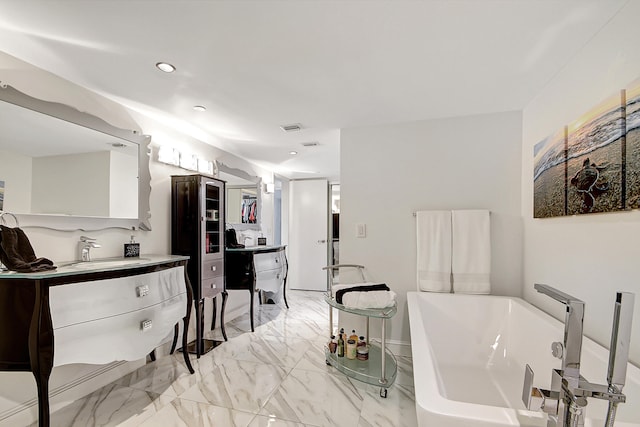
(308, 231)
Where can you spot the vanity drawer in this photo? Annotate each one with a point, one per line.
(119, 337)
(212, 286)
(270, 280)
(267, 261)
(86, 301)
(212, 268)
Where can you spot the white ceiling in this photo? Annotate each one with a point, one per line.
(327, 65)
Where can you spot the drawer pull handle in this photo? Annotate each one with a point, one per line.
(213, 268)
(278, 276)
(145, 325)
(213, 286)
(142, 290)
(276, 259)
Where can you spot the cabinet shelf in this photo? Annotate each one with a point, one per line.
(367, 371)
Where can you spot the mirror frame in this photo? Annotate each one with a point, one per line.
(69, 114)
(251, 178)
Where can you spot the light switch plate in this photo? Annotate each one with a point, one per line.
(361, 230)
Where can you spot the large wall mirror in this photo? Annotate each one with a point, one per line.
(243, 201)
(58, 162)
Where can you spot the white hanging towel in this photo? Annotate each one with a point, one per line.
(471, 263)
(433, 229)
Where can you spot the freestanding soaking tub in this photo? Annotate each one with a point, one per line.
(469, 356)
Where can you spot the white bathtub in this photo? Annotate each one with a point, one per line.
(469, 354)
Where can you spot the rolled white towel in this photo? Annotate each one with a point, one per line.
(336, 288)
(371, 299)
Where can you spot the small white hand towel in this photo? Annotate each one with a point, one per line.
(433, 235)
(338, 287)
(371, 299)
(471, 263)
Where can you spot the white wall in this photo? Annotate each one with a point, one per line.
(589, 256)
(389, 172)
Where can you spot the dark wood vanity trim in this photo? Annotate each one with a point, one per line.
(40, 339)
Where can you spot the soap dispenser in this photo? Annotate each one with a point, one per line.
(132, 249)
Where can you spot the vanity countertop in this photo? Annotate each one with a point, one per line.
(70, 268)
(263, 248)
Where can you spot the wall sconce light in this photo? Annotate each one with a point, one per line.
(169, 155)
(269, 188)
(174, 157)
(205, 166)
(189, 161)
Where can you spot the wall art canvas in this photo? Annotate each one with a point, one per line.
(594, 159)
(549, 172)
(593, 165)
(1, 195)
(632, 122)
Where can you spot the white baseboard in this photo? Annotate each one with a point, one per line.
(398, 348)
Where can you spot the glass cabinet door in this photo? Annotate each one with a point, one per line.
(213, 203)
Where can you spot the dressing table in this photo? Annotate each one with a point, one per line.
(256, 269)
(90, 312)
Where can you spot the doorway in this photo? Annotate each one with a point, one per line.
(308, 234)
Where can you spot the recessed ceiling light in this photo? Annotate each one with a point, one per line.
(166, 67)
(293, 153)
(200, 108)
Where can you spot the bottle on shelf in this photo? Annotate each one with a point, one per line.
(361, 341)
(362, 352)
(351, 349)
(340, 345)
(353, 336)
(333, 344)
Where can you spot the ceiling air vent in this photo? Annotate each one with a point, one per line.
(310, 144)
(291, 128)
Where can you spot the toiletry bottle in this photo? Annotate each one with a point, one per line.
(340, 346)
(351, 349)
(343, 335)
(132, 249)
(333, 344)
(361, 341)
(362, 352)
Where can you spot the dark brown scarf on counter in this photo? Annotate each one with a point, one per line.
(17, 254)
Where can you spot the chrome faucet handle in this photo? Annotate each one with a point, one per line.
(535, 398)
(573, 324)
(620, 340)
(87, 239)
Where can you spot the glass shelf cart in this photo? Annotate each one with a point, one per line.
(381, 368)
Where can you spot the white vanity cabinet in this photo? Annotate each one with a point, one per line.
(256, 268)
(116, 319)
(271, 269)
(93, 313)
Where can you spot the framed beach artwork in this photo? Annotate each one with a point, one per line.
(594, 159)
(593, 164)
(549, 176)
(632, 140)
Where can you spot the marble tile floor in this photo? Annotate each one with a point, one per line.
(276, 377)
